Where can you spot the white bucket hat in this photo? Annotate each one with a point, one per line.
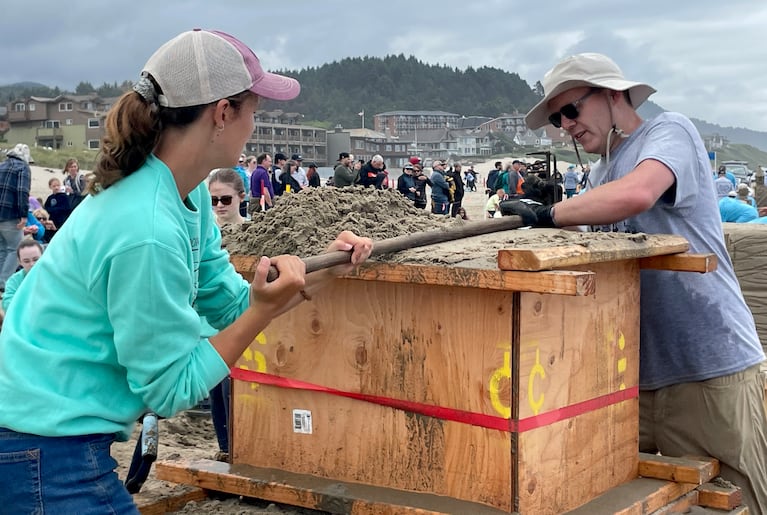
(21, 151)
(595, 70)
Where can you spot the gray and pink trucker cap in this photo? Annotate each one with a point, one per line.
(201, 66)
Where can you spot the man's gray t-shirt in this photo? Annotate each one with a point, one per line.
(693, 326)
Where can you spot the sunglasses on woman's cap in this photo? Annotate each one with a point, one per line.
(569, 111)
(224, 199)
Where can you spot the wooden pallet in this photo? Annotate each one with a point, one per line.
(667, 485)
(151, 503)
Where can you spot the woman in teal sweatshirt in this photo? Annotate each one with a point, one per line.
(121, 289)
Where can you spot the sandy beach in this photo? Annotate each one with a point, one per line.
(40, 178)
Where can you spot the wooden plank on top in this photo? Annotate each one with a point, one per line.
(557, 282)
(683, 470)
(590, 251)
(684, 262)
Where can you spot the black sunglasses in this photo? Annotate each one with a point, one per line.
(224, 199)
(569, 111)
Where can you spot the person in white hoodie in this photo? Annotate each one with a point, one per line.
(15, 183)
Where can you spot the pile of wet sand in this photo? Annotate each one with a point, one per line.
(304, 223)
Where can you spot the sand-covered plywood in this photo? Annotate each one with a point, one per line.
(305, 223)
(747, 246)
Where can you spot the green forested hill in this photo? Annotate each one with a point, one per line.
(335, 93)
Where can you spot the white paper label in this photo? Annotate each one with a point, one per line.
(302, 421)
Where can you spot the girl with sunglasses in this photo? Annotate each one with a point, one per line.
(122, 332)
(226, 193)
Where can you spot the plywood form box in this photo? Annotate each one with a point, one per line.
(450, 388)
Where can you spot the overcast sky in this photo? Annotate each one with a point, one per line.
(707, 58)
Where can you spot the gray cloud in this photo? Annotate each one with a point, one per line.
(705, 58)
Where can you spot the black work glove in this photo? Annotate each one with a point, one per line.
(534, 215)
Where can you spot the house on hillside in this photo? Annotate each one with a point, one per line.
(474, 142)
(530, 138)
(65, 121)
(715, 142)
(436, 144)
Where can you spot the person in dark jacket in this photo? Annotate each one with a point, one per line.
(288, 177)
(406, 183)
(313, 176)
(455, 173)
(372, 174)
(440, 190)
(58, 203)
(420, 186)
(343, 175)
(276, 176)
(492, 178)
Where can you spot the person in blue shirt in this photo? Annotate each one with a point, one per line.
(121, 334)
(733, 210)
(28, 254)
(33, 227)
(570, 181)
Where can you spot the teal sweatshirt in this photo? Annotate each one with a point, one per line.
(118, 296)
(11, 285)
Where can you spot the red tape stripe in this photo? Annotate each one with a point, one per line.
(455, 415)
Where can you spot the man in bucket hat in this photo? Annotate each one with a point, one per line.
(701, 392)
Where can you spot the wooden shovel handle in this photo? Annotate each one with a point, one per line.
(410, 241)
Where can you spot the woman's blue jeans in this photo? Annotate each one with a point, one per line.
(59, 475)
